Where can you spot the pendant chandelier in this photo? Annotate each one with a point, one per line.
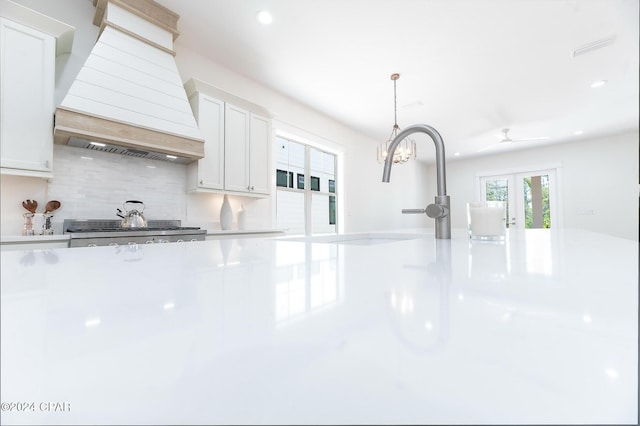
(406, 150)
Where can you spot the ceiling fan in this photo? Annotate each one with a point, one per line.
(504, 137)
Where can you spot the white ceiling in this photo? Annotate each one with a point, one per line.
(468, 67)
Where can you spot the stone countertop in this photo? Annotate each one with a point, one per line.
(243, 231)
(541, 328)
(12, 239)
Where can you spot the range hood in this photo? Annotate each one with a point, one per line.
(128, 98)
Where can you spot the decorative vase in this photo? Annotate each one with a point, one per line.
(226, 215)
(242, 218)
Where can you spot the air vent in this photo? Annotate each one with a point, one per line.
(599, 44)
(130, 152)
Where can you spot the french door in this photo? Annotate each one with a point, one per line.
(531, 197)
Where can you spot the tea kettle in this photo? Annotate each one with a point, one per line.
(132, 218)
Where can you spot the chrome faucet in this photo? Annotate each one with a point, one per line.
(440, 209)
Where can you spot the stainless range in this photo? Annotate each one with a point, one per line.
(92, 233)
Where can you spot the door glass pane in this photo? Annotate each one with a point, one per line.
(498, 190)
(332, 210)
(536, 202)
(290, 211)
(321, 220)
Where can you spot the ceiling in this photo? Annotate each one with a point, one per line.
(469, 68)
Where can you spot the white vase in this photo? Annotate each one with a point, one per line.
(242, 218)
(226, 215)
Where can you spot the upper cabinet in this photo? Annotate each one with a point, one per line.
(259, 153)
(246, 151)
(208, 172)
(237, 137)
(29, 43)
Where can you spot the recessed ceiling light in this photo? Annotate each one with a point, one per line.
(598, 83)
(264, 17)
(455, 154)
(578, 132)
(92, 322)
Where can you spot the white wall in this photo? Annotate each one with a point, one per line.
(94, 190)
(599, 174)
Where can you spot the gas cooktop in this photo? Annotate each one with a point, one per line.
(100, 232)
(121, 229)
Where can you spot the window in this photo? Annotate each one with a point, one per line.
(310, 206)
(283, 180)
(315, 183)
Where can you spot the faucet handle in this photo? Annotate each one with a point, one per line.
(413, 211)
(435, 211)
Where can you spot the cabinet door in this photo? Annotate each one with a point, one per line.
(236, 150)
(211, 123)
(259, 154)
(27, 72)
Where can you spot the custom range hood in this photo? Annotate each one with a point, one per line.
(128, 98)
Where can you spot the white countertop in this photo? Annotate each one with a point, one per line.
(540, 329)
(11, 239)
(243, 231)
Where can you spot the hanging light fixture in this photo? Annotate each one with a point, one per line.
(406, 150)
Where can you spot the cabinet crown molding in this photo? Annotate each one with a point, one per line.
(194, 86)
(63, 33)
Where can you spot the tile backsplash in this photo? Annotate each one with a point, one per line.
(93, 184)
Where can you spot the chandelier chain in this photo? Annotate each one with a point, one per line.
(407, 148)
(395, 105)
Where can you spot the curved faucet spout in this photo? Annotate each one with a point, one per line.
(437, 140)
(440, 209)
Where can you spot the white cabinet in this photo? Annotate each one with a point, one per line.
(259, 154)
(208, 173)
(27, 83)
(246, 151)
(236, 155)
(29, 43)
(237, 137)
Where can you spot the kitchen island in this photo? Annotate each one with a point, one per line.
(540, 328)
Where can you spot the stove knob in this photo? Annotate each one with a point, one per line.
(163, 241)
(113, 244)
(180, 241)
(149, 242)
(92, 245)
(193, 239)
